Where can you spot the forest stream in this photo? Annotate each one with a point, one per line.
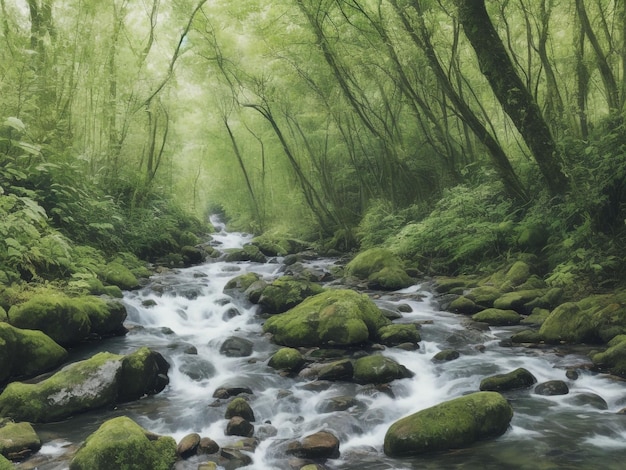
(184, 311)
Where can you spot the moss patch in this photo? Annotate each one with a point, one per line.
(381, 268)
(378, 369)
(340, 317)
(453, 424)
(285, 293)
(122, 443)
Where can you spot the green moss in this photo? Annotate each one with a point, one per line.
(239, 407)
(614, 358)
(568, 323)
(34, 352)
(392, 335)
(516, 275)
(242, 282)
(377, 369)
(143, 372)
(519, 300)
(484, 296)
(117, 274)
(3, 315)
(124, 445)
(519, 378)
(6, 464)
(337, 316)
(288, 359)
(497, 317)
(272, 245)
(77, 387)
(450, 425)
(18, 439)
(381, 268)
(287, 292)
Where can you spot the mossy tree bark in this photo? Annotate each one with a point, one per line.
(513, 95)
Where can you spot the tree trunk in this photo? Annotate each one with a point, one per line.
(511, 92)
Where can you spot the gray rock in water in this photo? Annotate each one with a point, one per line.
(519, 378)
(238, 426)
(552, 387)
(188, 445)
(236, 347)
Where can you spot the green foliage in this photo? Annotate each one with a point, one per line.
(467, 229)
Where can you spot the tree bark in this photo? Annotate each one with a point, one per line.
(514, 97)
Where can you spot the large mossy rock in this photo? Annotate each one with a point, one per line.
(381, 268)
(247, 253)
(102, 380)
(68, 320)
(123, 444)
(27, 352)
(287, 359)
(242, 282)
(285, 293)
(337, 317)
(450, 425)
(595, 319)
(18, 440)
(6, 464)
(377, 369)
(393, 335)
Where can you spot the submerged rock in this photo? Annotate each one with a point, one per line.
(453, 424)
(123, 443)
(337, 317)
(235, 346)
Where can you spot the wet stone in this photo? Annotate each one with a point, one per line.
(551, 388)
(321, 445)
(227, 391)
(208, 446)
(188, 445)
(237, 426)
(446, 355)
(236, 347)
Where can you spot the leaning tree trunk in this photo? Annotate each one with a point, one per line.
(511, 92)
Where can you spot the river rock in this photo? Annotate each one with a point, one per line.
(519, 378)
(520, 301)
(6, 464)
(188, 445)
(115, 273)
(247, 253)
(102, 380)
(287, 359)
(527, 336)
(339, 317)
(552, 387)
(241, 283)
(239, 407)
(484, 296)
(287, 292)
(336, 370)
(497, 317)
(18, 440)
(124, 442)
(381, 268)
(238, 426)
(464, 306)
(321, 445)
(589, 399)
(614, 358)
(235, 346)
(396, 334)
(446, 355)
(68, 320)
(208, 446)
(450, 425)
(341, 403)
(196, 368)
(228, 391)
(192, 255)
(377, 369)
(27, 352)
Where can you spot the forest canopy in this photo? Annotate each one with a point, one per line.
(453, 132)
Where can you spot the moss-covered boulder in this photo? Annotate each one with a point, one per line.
(5, 464)
(484, 296)
(247, 253)
(537, 317)
(614, 358)
(27, 352)
(242, 282)
(337, 317)
(287, 292)
(381, 268)
(239, 407)
(519, 378)
(102, 380)
(18, 440)
(117, 274)
(450, 425)
(144, 372)
(393, 335)
(68, 320)
(497, 317)
(287, 359)
(464, 306)
(527, 336)
(522, 301)
(126, 445)
(517, 274)
(377, 369)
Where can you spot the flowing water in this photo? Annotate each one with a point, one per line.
(185, 310)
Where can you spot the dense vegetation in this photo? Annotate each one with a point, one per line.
(408, 124)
